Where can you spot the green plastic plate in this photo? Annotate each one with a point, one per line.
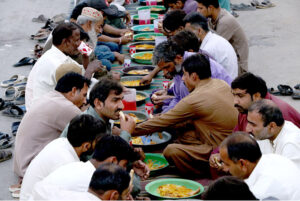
(157, 160)
(153, 186)
(139, 28)
(141, 61)
(146, 35)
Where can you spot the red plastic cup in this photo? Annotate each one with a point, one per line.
(84, 49)
(151, 2)
(141, 22)
(132, 49)
(149, 107)
(165, 85)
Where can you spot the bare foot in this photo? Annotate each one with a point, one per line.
(119, 57)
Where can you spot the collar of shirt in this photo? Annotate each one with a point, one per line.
(215, 22)
(206, 39)
(280, 135)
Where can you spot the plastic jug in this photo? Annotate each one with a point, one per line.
(144, 16)
(129, 100)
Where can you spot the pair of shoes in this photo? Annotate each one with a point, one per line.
(5, 140)
(14, 127)
(16, 194)
(14, 92)
(283, 90)
(40, 19)
(14, 80)
(15, 187)
(242, 7)
(38, 51)
(25, 61)
(14, 111)
(4, 104)
(5, 155)
(263, 4)
(41, 35)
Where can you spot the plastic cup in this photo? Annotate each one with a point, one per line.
(132, 49)
(165, 85)
(156, 22)
(149, 107)
(151, 2)
(84, 49)
(127, 63)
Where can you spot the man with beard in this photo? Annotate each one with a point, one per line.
(265, 121)
(168, 56)
(202, 119)
(63, 150)
(91, 20)
(105, 104)
(247, 89)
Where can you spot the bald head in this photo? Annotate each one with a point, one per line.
(240, 145)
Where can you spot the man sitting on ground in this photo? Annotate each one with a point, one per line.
(242, 157)
(41, 80)
(168, 56)
(62, 151)
(47, 119)
(216, 46)
(173, 22)
(202, 119)
(221, 21)
(265, 121)
(76, 176)
(109, 182)
(247, 89)
(188, 6)
(105, 104)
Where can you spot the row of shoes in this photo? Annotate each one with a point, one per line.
(286, 90)
(12, 103)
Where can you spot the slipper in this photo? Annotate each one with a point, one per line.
(16, 194)
(5, 136)
(15, 79)
(13, 111)
(297, 86)
(40, 36)
(19, 98)
(38, 51)
(4, 104)
(25, 61)
(14, 127)
(285, 90)
(12, 92)
(5, 155)
(242, 7)
(265, 4)
(5, 143)
(15, 187)
(40, 19)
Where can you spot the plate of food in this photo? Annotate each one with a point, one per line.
(143, 2)
(143, 28)
(141, 97)
(137, 70)
(134, 82)
(152, 140)
(174, 188)
(146, 36)
(136, 20)
(138, 116)
(153, 9)
(143, 57)
(143, 46)
(155, 162)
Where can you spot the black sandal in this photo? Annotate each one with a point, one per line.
(285, 90)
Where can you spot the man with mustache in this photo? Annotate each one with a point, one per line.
(106, 103)
(247, 89)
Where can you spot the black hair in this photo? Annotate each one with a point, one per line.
(251, 83)
(70, 80)
(167, 2)
(83, 34)
(240, 145)
(228, 188)
(102, 89)
(85, 128)
(111, 145)
(186, 40)
(206, 3)
(269, 112)
(109, 177)
(198, 64)
(173, 20)
(62, 31)
(196, 19)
